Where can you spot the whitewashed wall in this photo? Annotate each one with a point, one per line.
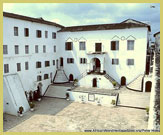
(105, 100)
(105, 37)
(29, 77)
(102, 82)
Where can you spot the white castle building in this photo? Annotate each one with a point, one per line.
(37, 53)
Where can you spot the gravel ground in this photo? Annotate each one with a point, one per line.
(59, 115)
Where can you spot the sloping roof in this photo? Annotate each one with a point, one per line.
(123, 25)
(156, 33)
(31, 19)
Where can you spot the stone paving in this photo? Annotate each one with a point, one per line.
(59, 115)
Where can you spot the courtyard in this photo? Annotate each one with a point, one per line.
(60, 115)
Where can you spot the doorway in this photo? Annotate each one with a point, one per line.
(123, 80)
(71, 77)
(57, 64)
(94, 82)
(96, 65)
(148, 86)
(61, 62)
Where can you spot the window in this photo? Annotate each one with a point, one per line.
(38, 64)
(38, 33)
(46, 76)
(83, 60)
(26, 49)
(26, 66)
(98, 47)
(70, 60)
(68, 46)
(44, 49)
(47, 63)
(16, 49)
(54, 48)
(82, 45)
(36, 49)
(130, 61)
(26, 32)
(114, 45)
(18, 66)
(53, 35)
(5, 49)
(39, 78)
(130, 45)
(15, 31)
(53, 62)
(115, 61)
(6, 68)
(46, 34)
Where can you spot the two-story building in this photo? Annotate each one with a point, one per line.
(37, 53)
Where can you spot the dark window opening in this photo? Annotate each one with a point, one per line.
(114, 45)
(47, 63)
(5, 49)
(39, 78)
(15, 31)
(18, 67)
(70, 60)
(38, 33)
(38, 64)
(26, 32)
(46, 76)
(26, 66)
(6, 68)
(53, 35)
(68, 46)
(98, 47)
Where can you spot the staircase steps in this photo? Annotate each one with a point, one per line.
(111, 80)
(136, 84)
(60, 77)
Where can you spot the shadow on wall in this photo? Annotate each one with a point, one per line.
(111, 70)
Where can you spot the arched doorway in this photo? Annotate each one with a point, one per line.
(61, 61)
(123, 80)
(71, 77)
(94, 82)
(148, 86)
(96, 64)
(57, 64)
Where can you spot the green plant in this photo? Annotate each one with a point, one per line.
(113, 102)
(114, 83)
(32, 105)
(75, 80)
(147, 110)
(21, 109)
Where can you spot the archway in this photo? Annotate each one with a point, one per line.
(123, 80)
(61, 61)
(71, 77)
(96, 64)
(148, 86)
(94, 82)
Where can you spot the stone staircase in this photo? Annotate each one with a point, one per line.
(136, 84)
(60, 77)
(112, 80)
(133, 99)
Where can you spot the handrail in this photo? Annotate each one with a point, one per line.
(82, 75)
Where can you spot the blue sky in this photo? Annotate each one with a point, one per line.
(70, 14)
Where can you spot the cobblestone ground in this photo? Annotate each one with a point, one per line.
(59, 115)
